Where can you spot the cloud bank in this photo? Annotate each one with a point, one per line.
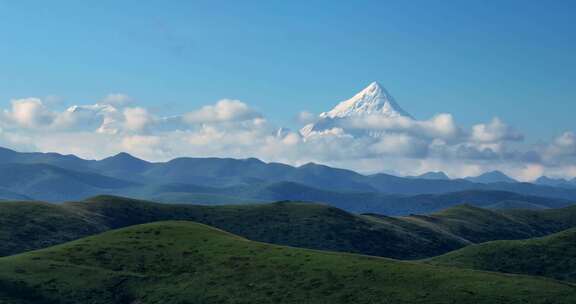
(231, 128)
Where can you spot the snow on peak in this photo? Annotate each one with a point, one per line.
(92, 108)
(372, 100)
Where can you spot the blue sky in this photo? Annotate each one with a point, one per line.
(474, 59)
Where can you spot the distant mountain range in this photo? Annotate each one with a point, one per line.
(54, 177)
(433, 175)
(556, 182)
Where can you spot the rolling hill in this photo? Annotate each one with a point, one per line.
(552, 256)
(186, 262)
(32, 225)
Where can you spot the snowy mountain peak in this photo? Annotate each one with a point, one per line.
(372, 100)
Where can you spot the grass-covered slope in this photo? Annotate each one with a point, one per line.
(32, 225)
(185, 262)
(478, 225)
(322, 227)
(481, 225)
(553, 256)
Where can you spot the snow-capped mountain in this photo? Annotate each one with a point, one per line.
(104, 117)
(372, 100)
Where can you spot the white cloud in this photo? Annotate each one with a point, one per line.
(29, 113)
(136, 119)
(225, 110)
(400, 145)
(145, 146)
(561, 151)
(305, 117)
(439, 126)
(231, 128)
(495, 131)
(565, 144)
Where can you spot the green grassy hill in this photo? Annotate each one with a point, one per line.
(553, 256)
(478, 225)
(185, 262)
(481, 225)
(32, 225)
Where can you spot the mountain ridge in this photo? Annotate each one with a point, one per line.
(551, 256)
(492, 177)
(27, 226)
(186, 262)
(39, 174)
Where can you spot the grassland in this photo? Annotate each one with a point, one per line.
(186, 262)
(553, 256)
(27, 226)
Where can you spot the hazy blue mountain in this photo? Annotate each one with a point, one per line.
(358, 202)
(7, 195)
(531, 189)
(427, 203)
(329, 178)
(512, 204)
(228, 172)
(433, 175)
(409, 186)
(555, 182)
(55, 177)
(492, 177)
(122, 165)
(63, 161)
(47, 182)
(214, 172)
